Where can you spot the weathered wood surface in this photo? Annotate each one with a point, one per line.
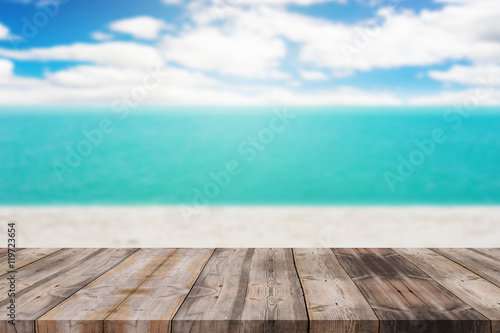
(245, 290)
(153, 305)
(4, 253)
(86, 310)
(47, 282)
(493, 253)
(483, 264)
(24, 257)
(404, 297)
(334, 303)
(482, 295)
(254, 290)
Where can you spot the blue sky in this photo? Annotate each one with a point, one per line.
(348, 52)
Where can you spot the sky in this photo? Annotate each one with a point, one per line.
(246, 52)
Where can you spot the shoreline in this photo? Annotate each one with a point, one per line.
(254, 226)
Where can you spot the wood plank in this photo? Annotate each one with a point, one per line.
(86, 310)
(245, 290)
(482, 295)
(483, 265)
(4, 254)
(38, 271)
(355, 251)
(274, 297)
(4, 257)
(404, 298)
(493, 254)
(5, 250)
(152, 306)
(216, 300)
(24, 257)
(47, 282)
(334, 303)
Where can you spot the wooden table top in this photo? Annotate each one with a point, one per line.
(251, 290)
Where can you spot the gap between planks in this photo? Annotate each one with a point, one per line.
(303, 292)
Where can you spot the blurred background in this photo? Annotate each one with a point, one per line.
(250, 123)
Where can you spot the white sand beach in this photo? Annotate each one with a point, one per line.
(257, 226)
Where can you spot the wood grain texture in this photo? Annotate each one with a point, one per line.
(152, 306)
(47, 282)
(274, 299)
(470, 287)
(4, 253)
(483, 264)
(217, 298)
(245, 290)
(38, 271)
(24, 257)
(255, 290)
(86, 310)
(30, 276)
(404, 297)
(334, 303)
(491, 253)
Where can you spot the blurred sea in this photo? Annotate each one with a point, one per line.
(249, 156)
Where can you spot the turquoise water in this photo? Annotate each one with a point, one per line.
(308, 156)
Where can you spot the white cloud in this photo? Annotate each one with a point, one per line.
(119, 54)
(312, 75)
(242, 53)
(275, 2)
(172, 2)
(371, 3)
(100, 36)
(104, 85)
(178, 94)
(4, 32)
(97, 76)
(483, 79)
(338, 96)
(94, 76)
(403, 38)
(409, 39)
(6, 68)
(471, 98)
(7, 77)
(251, 43)
(235, 3)
(143, 27)
(471, 75)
